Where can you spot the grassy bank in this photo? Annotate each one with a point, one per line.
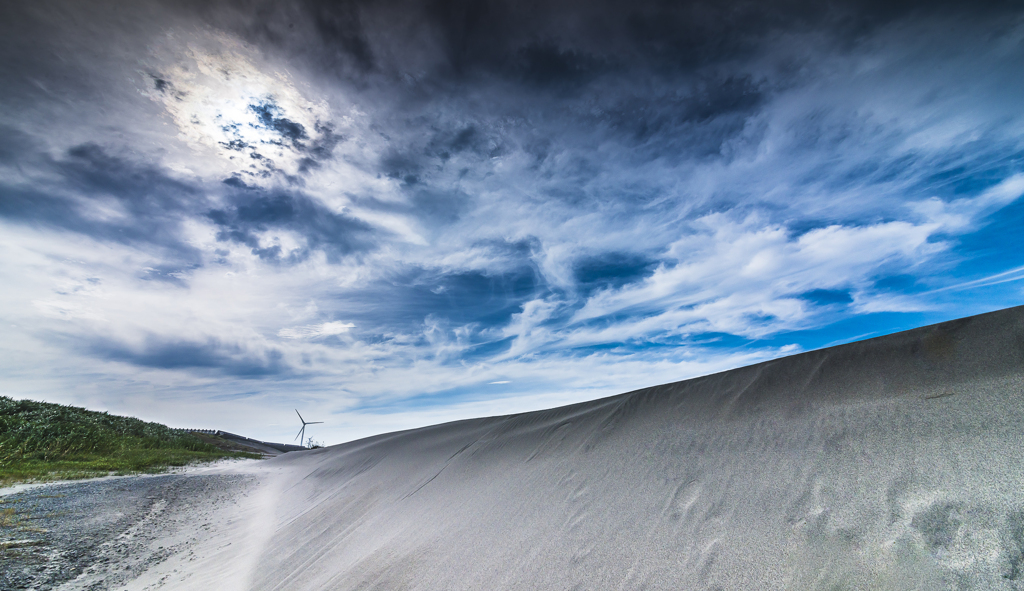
(43, 441)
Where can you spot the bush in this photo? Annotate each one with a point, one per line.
(41, 440)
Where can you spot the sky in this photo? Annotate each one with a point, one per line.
(398, 213)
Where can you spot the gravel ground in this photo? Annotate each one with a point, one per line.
(101, 534)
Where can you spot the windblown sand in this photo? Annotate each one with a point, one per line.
(893, 463)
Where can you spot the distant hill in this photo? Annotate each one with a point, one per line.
(45, 441)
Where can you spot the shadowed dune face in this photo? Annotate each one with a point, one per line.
(893, 463)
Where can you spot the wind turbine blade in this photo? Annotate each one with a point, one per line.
(300, 433)
(316, 423)
(300, 416)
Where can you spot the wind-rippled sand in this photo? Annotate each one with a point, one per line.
(894, 463)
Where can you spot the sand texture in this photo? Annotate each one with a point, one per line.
(893, 463)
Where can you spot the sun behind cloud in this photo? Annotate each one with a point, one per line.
(256, 120)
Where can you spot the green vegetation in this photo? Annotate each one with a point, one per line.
(44, 441)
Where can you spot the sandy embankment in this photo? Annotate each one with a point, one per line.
(893, 463)
(216, 545)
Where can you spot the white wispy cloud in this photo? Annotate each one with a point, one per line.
(316, 330)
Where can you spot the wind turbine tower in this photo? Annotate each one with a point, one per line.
(302, 432)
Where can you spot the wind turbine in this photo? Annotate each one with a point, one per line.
(302, 432)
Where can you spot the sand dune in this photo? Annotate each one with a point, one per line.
(893, 463)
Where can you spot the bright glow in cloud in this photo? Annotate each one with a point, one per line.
(258, 122)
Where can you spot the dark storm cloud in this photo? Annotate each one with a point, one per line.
(424, 146)
(611, 270)
(114, 198)
(693, 119)
(340, 24)
(547, 66)
(455, 85)
(439, 206)
(402, 166)
(455, 141)
(72, 192)
(255, 210)
(487, 299)
(210, 354)
(320, 149)
(672, 80)
(549, 44)
(827, 297)
(636, 70)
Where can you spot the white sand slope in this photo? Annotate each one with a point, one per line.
(893, 463)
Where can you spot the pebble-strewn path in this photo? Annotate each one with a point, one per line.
(101, 534)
